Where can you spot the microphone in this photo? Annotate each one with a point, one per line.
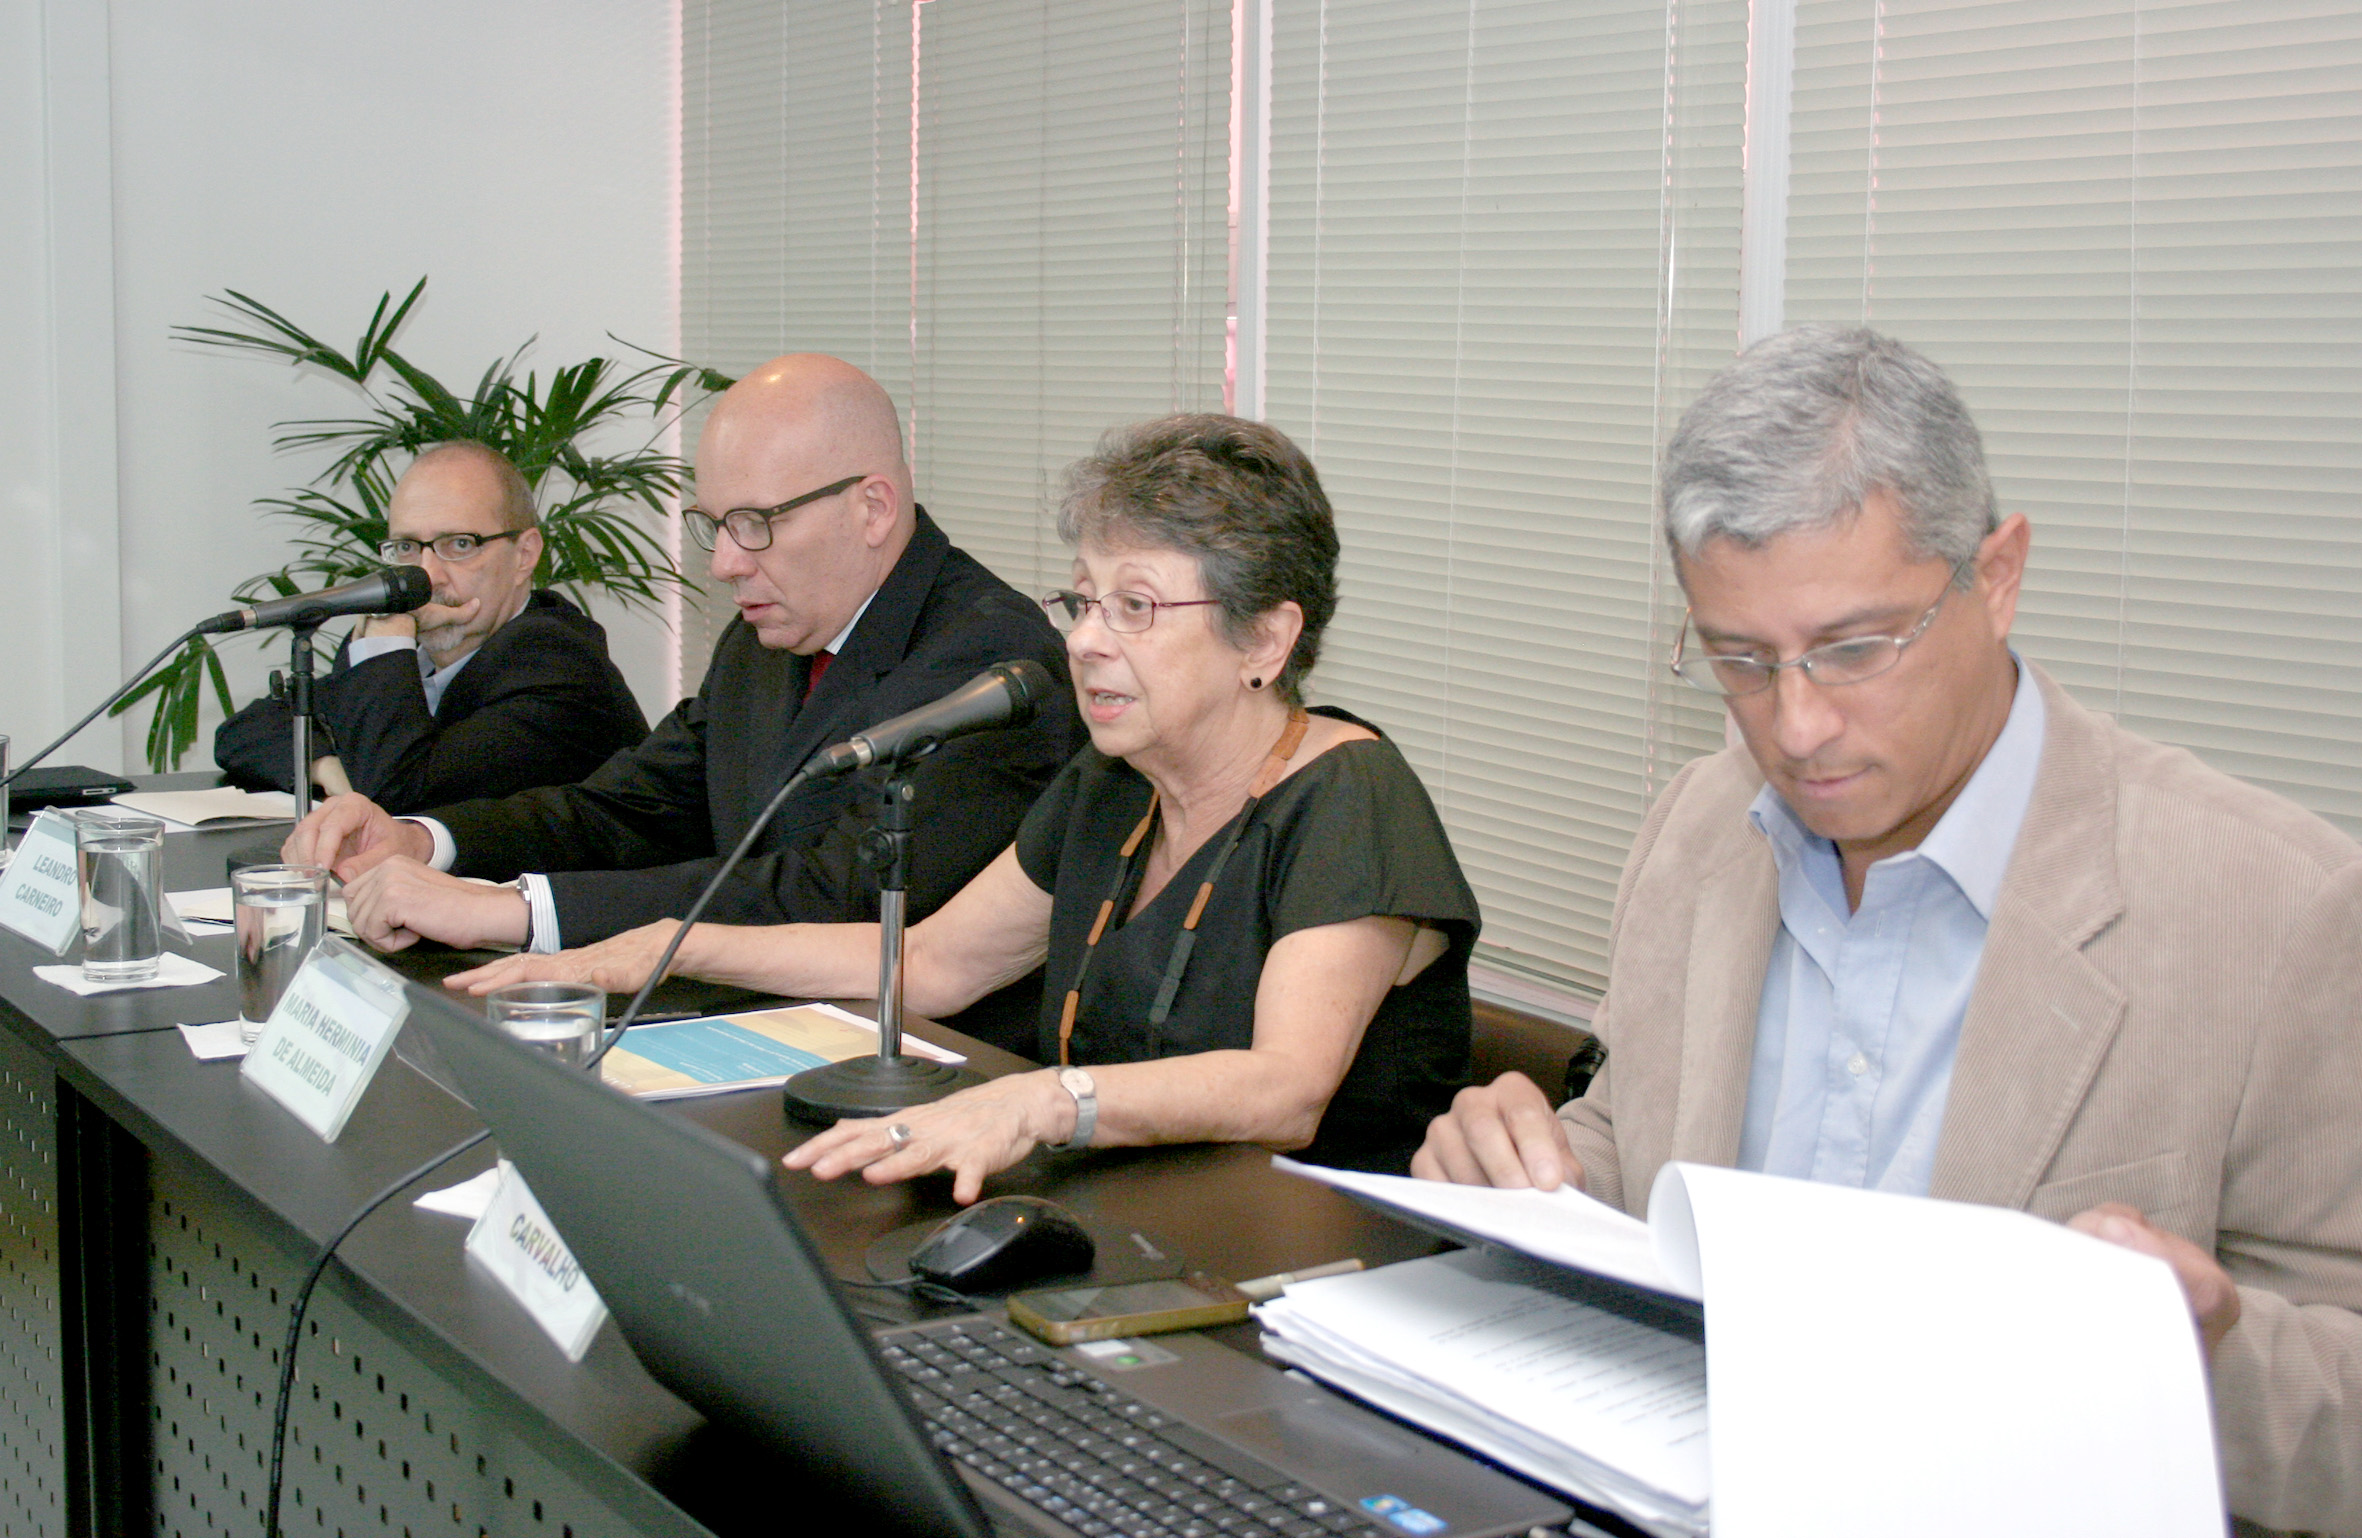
(395, 590)
(1005, 694)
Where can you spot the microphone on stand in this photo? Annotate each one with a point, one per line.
(395, 590)
(1005, 694)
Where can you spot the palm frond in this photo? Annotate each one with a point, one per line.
(598, 510)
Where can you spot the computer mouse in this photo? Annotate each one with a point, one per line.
(1003, 1244)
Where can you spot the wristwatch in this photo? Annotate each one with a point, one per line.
(1086, 1107)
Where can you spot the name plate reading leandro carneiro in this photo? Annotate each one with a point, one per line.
(321, 1046)
(41, 891)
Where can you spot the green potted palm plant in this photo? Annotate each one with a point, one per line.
(597, 509)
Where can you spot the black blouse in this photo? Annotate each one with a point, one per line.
(1350, 835)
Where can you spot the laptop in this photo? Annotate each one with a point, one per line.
(961, 1426)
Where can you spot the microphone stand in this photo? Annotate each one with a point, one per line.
(299, 708)
(889, 1081)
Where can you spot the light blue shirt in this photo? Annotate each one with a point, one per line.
(1861, 1012)
(363, 648)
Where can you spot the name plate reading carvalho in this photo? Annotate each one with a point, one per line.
(514, 1241)
(321, 1046)
(41, 891)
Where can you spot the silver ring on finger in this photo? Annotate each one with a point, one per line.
(899, 1135)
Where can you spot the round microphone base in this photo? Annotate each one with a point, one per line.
(871, 1086)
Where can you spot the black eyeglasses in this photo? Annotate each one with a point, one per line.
(750, 527)
(448, 548)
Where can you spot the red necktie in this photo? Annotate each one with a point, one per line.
(820, 662)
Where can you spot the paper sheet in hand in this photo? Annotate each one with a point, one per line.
(1883, 1364)
(671, 1059)
(1563, 1226)
(184, 811)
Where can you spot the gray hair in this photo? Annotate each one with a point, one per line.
(1805, 425)
(1237, 497)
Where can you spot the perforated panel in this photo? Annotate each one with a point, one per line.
(378, 1444)
(32, 1458)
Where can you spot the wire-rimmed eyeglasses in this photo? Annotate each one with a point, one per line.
(1124, 613)
(750, 527)
(1857, 659)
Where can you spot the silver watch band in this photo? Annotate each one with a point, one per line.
(1086, 1107)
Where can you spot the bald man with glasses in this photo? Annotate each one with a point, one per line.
(493, 687)
(852, 607)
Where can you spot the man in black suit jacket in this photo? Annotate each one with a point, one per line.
(489, 689)
(802, 460)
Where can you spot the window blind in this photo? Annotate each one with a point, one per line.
(1503, 255)
(2132, 232)
(1013, 212)
(1073, 248)
(795, 202)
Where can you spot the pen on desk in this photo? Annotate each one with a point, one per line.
(660, 1016)
(1264, 1288)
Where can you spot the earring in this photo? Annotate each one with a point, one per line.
(1254, 683)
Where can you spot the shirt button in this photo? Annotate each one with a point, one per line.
(1857, 1065)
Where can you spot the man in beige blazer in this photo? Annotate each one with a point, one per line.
(2127, 998)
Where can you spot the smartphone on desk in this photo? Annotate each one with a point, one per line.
(1066, 1316)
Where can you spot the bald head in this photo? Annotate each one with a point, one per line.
(476, 473)
(797, 424)
(805, 412)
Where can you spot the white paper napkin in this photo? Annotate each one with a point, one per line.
(173, 970)
(217, 1040)
(468, 1199)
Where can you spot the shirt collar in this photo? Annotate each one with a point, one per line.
(846, 634)
(1971, 843)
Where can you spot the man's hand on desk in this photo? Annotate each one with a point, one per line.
(352, 835)
(619, 964)
(1505, 1133)
(2214, 1298)
(399, 902)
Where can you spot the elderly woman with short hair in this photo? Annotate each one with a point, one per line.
(1252, 923)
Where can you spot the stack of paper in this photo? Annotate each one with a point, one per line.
(1873, 1364)
(1502, 1355)
(184, 811)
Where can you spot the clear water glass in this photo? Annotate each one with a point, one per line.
(122, 858)
(281, 912)
(562, 1019)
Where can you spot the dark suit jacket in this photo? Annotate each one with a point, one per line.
(538, 704)
(635, 841)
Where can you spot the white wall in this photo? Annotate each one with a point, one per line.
(311, 153)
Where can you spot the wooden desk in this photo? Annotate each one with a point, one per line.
(155, 1210)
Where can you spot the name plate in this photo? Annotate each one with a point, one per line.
(334, 1025)
(41, 891)
(515, 1242)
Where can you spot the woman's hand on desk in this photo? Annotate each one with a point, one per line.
(619, 964)
(975, 1133)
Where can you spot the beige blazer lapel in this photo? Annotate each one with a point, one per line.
(2042, 1016)
(1733, 926)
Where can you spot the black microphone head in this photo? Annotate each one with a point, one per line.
(407, 588)
(1030, 686)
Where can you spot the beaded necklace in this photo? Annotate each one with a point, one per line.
(1127, 882)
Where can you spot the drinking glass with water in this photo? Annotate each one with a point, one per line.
(281, 912)
(562, 1019)
(122, 855)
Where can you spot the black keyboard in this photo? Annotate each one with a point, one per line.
(1072, 1445)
